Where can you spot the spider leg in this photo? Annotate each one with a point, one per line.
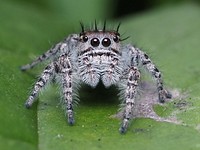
(40, 84)
(51, 52)
(148, 64)
(65, 71)
(130, 95)
(56, 50)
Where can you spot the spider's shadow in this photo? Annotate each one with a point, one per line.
(98, 95)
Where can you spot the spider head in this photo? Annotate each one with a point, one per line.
(100, 39)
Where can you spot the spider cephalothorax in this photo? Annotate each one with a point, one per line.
(99, 57)
(93, 56)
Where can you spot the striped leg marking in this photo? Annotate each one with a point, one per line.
(162, 93)
(130, 95)
(66, 81)
(43, 57)
(40, 84)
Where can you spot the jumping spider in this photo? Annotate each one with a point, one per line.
(93, 56)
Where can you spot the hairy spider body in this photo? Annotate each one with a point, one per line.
(90, 57)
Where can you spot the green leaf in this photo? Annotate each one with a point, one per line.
(170, 35)
(27, 30)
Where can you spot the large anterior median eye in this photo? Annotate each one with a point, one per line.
(95, 42)
(106, 42)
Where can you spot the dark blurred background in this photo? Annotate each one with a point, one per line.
(120, 8)
(126, 7)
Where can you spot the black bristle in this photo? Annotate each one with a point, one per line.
(104, 26)
(82, 27)
(95, 25)
(118, 27)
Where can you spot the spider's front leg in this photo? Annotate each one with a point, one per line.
(65, 71)
(130, 95)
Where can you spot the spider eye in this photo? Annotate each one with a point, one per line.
(106, 42)
(116, 38)
(95, 42)
(84, 38)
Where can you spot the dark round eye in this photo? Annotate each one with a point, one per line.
(106, 42)
(84, 38)
(116, 38)
(95, 42)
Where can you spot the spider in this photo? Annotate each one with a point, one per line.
(90, 57)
